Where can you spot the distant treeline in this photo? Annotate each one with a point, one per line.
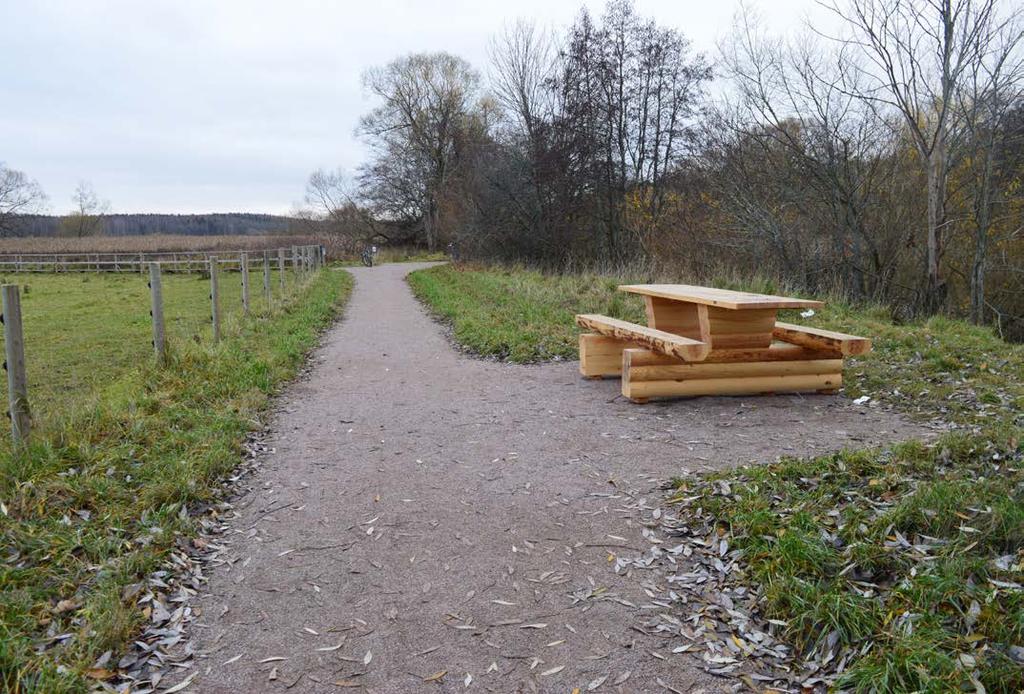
(235, 224)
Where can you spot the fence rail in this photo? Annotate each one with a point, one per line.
(171, 261)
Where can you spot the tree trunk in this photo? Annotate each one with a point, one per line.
(430, 224)
(978, 278)
(982, 213)
(935, 290)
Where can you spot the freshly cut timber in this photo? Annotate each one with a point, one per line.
(601, 356)
(706, 341)
(816, 338)
(684, 348)
(725, 298)
(641, 380)
(779, 351)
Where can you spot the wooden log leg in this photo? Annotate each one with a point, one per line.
(646, 376)
(732, 386)
(741, 329)
(601, 356)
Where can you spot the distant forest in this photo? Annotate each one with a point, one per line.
(184, 224)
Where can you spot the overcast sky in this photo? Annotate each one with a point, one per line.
(203, 106)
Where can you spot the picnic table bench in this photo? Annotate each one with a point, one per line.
(706, 341)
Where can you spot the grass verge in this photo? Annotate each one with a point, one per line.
(912, 556)
(96, 501)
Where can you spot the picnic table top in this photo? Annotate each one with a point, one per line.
(723, 298)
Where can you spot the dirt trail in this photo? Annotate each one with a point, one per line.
(419, 499)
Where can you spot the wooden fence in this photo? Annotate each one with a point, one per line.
(170, 261)
(301, 259)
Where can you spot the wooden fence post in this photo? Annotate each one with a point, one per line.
(214, 299)
(17, 384)
(295, 258)
(280, 268)
(266, 276)
(244, 263)
(156, 296)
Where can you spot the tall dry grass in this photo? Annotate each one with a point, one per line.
(151, 243)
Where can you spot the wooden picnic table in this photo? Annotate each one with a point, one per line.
(705, 341)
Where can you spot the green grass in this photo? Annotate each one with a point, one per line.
(516, 314)
(964, 493)
(83, 330)
(817, 533)
(937, 368)
(96, 501)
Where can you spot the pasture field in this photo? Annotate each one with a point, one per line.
(100, 495)
(83, 330)
(909, 561)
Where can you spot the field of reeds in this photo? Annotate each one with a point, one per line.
(150, 243)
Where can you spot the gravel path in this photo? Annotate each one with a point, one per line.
(424, 512)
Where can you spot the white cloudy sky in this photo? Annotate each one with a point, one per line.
(199, 106)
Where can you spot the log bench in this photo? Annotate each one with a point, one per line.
(703, 341)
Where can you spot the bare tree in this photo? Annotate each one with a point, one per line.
(798, 98)
(331, 208)
(425, 99)
(87, 217)
(992, 89)
(917, 54)
(19, 195)
(523, 64)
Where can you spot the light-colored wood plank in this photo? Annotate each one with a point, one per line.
(815, 338)
(723, 298)
(636, 390)
(704, 370)
(678, 317)
(779, 351)
(601, 356)
(740, 329)
(658, 340)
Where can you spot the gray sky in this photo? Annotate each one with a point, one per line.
(199, 106)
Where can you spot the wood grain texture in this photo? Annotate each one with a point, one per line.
(601, 356)
(658, 340)
(816, 338)
(644, 390)
(704, 370)
(724, 298)
(678, 317)
(779, 351)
